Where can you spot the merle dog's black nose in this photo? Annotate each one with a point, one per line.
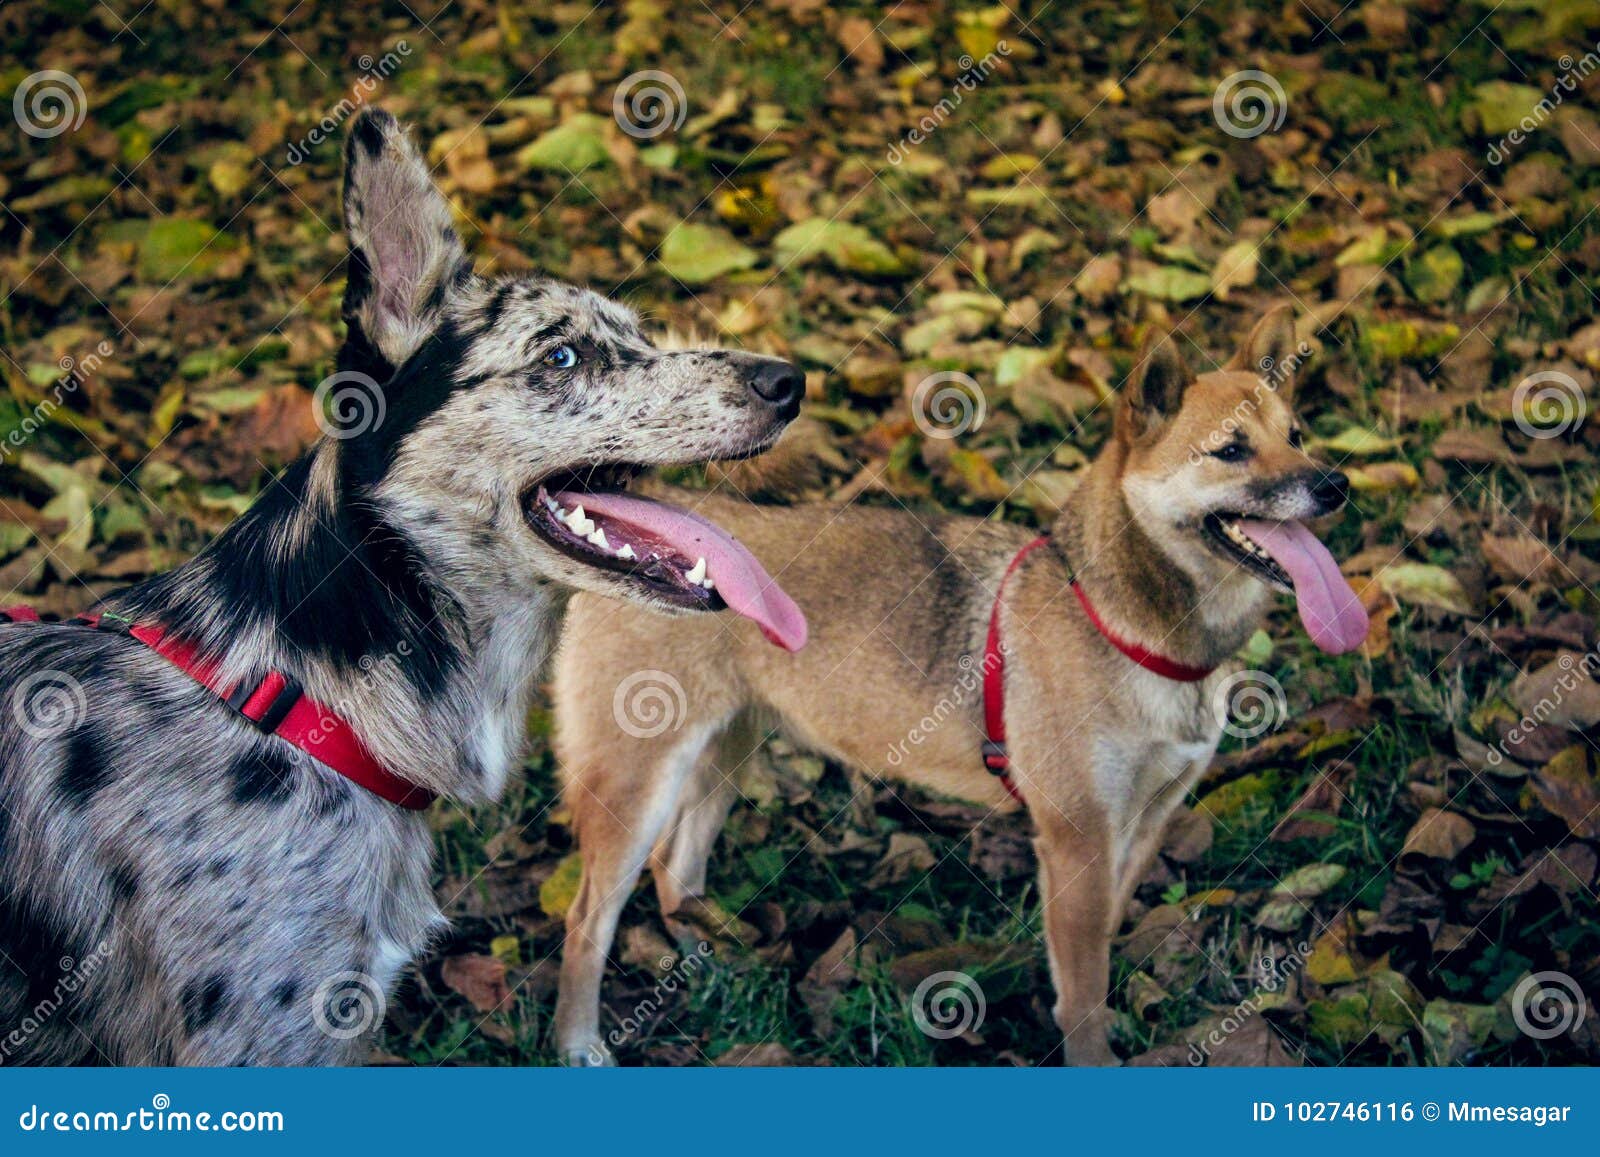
(1331, 490)
(779, 383)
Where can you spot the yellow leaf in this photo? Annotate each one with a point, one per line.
(558, 892)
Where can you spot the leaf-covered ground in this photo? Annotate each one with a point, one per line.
(1017, 193)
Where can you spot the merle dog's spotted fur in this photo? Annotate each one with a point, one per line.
(220, 881)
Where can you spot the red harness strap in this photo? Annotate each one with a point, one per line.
(276, 705)
(995, 757)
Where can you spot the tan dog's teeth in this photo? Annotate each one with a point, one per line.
(698, 573)
(626, 551)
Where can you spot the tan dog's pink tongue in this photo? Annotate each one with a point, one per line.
(1333, 615)
(740, 579)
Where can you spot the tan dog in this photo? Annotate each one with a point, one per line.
(1178, 534)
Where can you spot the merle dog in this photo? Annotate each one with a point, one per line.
(181, 880)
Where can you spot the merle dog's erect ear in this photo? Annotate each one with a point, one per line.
(1271, 351)
(1154, 391)
(404, 251)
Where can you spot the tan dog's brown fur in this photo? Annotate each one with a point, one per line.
(1103, 751)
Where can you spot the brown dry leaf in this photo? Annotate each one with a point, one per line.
(908, 855)
(1517, 558)
(1482, 445)
(1325, 797)
(1188, 836)
(1558, 694)
(1437, 835)
(481, 979)
(858, 36)
(1567, 787)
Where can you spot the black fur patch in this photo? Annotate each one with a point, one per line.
(203, 1000)
(285, 992)
(124, 883)
(32, 948)
(265, 777)
(86, 767)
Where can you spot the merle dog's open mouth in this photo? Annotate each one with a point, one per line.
(564, 511)
(676, 555)
(1227, 535)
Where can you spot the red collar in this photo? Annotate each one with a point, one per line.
(275, 704)
(994, 669)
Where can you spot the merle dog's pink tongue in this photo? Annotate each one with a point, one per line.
(1333, 615)
(740, 579)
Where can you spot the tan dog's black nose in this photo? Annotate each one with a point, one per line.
(1331, 490)
(779, 383)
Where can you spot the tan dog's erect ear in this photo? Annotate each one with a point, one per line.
(1271, 352)
(1154, 391)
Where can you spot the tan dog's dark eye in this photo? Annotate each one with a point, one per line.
(1232, 452)
(1296, 438)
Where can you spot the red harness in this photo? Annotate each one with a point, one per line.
(994, 670)
(276, 705)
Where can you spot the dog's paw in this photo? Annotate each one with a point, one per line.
(595, 1056)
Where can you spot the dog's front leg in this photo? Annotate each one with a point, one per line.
(1077, 883)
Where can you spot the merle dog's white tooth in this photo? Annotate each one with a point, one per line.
(626, 551)
(698, 573)
(578, 522)
(598, 538)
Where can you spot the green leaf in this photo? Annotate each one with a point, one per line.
(1169, 283)
(1435, 275)
(847, 246)
(696, 254)
(570, 147)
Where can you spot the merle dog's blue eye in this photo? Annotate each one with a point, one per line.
(563, 357)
